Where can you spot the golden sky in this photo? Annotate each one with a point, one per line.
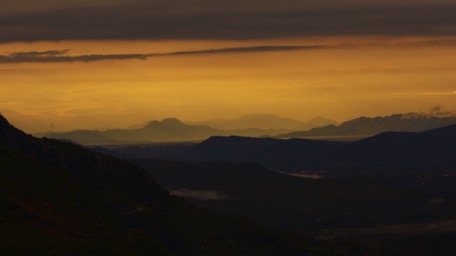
(99, 64)
(60, 86)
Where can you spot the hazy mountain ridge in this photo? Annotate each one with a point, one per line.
(367, 126)
(167, 130)
(172, 129)
(267, 121)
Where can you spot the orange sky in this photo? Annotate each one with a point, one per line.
(344, 78)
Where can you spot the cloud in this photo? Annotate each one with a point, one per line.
(429, 93)
(433, 42)
(236, 19)
(438, 110)
(38, 54)
(56, 56)
(253, 49)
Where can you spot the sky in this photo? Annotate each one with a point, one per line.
(102, 64)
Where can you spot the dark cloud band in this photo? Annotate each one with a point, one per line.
(213, 20)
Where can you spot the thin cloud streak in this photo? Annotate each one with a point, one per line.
(437, 93)
(62, 56)
(58, 56)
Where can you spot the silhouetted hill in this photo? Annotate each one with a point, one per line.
(266, 121)
(395, 150)
(273, 153)
(367, 126)
(59, 199)
(391, 151)
(448, 132)
(400, 148)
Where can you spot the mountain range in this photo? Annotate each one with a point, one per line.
(389, 151)
(167, 130)
(173, 130)
(62, 199)
(367, 126)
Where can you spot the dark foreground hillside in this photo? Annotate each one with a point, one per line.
(61, 199)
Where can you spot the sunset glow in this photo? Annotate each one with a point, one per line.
(55, 77)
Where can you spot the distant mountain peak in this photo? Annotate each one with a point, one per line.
(166, 122)
(154, 122)
(318, 118)
(172, 121)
